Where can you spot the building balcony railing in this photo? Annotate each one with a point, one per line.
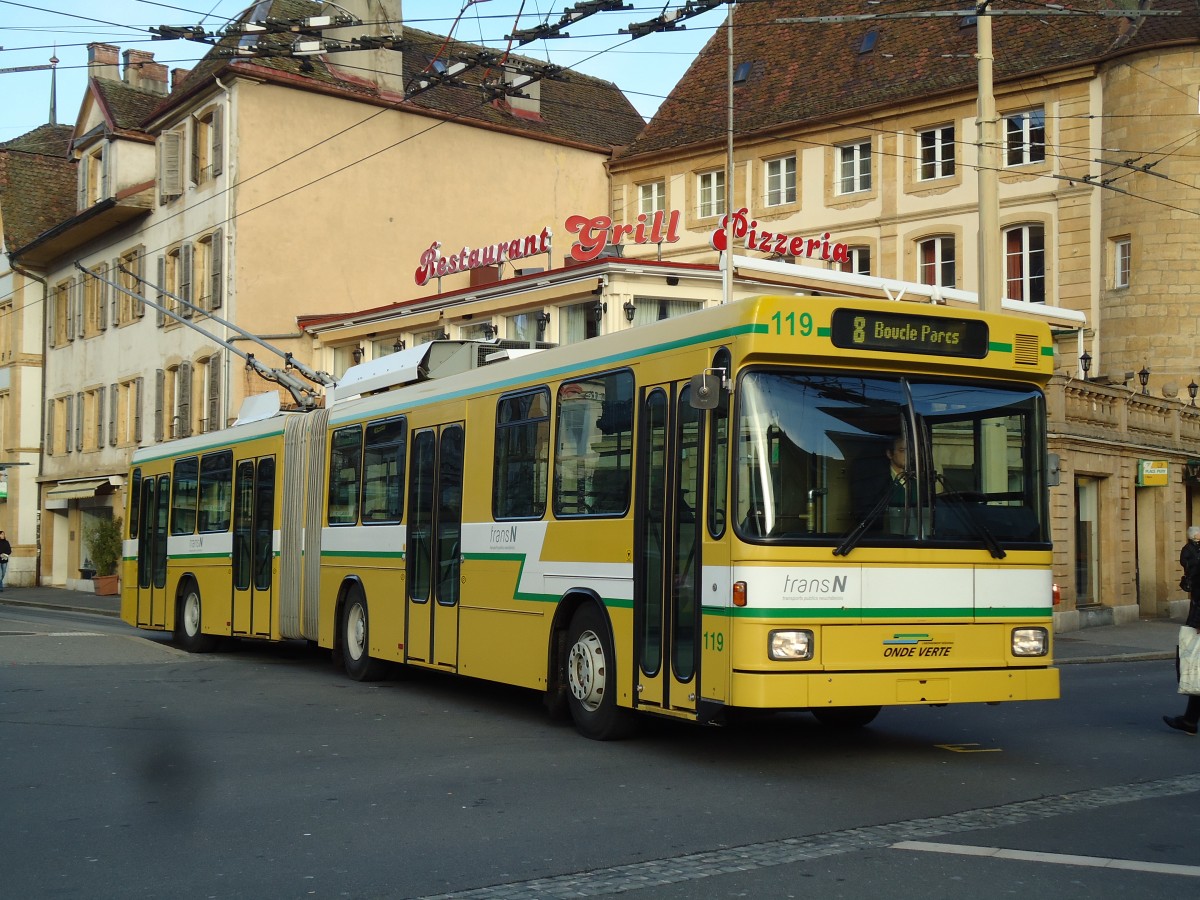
(1116, 414)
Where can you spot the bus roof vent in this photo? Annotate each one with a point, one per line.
(1026, 350)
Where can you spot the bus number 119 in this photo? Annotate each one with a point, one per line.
(714, 640)
(789, 322)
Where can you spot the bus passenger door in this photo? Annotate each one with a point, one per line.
(253, 545)
(434, 553)
(152, 551)
(667, 548)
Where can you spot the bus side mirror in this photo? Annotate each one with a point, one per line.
(706, 390)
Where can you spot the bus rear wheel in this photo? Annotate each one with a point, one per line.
(355, 634)
(592, 679)
(188, 621)
(846, 717)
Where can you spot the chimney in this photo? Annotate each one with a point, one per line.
(103, 62)
(384, 69)
(143, 73)
(177, 77)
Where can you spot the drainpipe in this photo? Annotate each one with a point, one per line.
(37, 557)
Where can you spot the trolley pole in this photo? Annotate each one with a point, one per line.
(989, 169)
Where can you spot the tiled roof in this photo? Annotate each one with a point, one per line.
(37, 183)
(581, 109)
(816, 72)
(128, 106)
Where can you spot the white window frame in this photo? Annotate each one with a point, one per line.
(779, 180)
(1025, 137)
(858, 255)
(1122, 262)
(1031, 287)
(936, 153)
(943, 249)
(710, 194)
(652, 197)
(854, 167)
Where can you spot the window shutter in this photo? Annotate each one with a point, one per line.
(100, 416)
(139, 268)
(52, 301)
(102, 297)
(137, 410)
(170, 166)
(49, 442)
(216, 254)
(197, 133)
(117, 296)
(183, 393)
(81, 198)
(161, 317)
(103, 158)
(68, 411)
(68, 297)
(114, 408)
(160, 378)
(80, 293)
(214, 392)
(79, 408)
(218, 140)
(185, 279)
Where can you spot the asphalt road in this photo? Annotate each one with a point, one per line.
(130, 769)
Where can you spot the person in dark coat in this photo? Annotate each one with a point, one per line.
(1189, 558)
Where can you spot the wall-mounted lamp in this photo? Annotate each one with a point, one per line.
(543, 319)
(630, 309)
(489, 331)
(1144, 378)
(357, 353)
(1085, 363)
(1192, 389)
(599, 310)
(398, 346)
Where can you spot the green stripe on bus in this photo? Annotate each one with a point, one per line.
(998, 347)
(1022, 613)
(364, 554)
(1047, 351)
(824, 332)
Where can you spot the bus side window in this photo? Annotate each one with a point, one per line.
(183, 497)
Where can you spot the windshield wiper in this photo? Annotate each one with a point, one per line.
(850, 541)
(971, 515)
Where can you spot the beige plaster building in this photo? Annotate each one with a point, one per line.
(254, 189)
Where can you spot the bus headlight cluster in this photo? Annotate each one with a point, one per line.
(791, 645)
(1030, 642)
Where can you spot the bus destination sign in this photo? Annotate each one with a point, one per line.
(857, 329)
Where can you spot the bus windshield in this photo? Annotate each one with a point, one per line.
(888, 461)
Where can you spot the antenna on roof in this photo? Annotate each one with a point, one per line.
(53, 85)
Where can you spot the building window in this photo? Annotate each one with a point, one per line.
(7, 333)
(125, 413)
(858, 261)
(654, 309)
(206, 146)
(937, 153)
(1025, 263)
(1122, 261)
(95, 301)
(209, 281)
(93, 178)
(780, 180)
(209, 373)
(935, 261)
(854, 167)
(62, 319)
(170, 165)
(1025, 137)
(710, 194)
(128, 307)
(652, 197)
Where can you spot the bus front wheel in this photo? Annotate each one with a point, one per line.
(592, 679)
(846, 716)
(187, 622)
(356, 656)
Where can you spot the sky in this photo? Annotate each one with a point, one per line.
(31, 31)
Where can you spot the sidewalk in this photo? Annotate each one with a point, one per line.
(1143, 639)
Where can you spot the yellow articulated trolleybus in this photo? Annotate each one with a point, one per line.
(782, 503)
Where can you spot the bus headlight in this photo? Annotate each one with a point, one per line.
(790, 645)
(1030, 642)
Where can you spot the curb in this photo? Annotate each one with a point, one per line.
(1116, 657)
(35, 604)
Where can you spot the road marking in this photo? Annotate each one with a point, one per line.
(692, 867)
(1059, 859)
(72, 634)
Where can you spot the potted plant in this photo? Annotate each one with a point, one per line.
(103, 539)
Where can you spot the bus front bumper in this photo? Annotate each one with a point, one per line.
(795, 690)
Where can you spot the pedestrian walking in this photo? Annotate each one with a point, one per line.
(1188, 650)
(5, 553)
